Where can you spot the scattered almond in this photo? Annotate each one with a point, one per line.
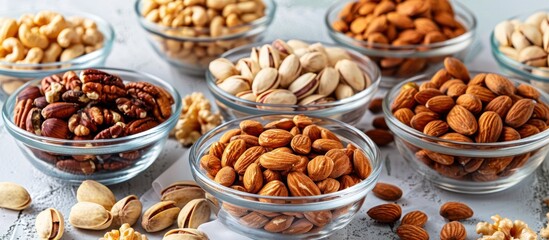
(455, 211)
(453, 231)
(417, 218)
(385, 213)
(412, 232)
(387, 192)
(380, 137)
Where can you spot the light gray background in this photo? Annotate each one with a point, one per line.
(294, 19)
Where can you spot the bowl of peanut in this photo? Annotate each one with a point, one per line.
(404, 38)
(286, 176)
(101, 124)
(37, 44)
(190, 34)
(469, 132)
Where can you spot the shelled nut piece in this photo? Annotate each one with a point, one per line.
(126, 232)
(268, 160)
(50, 224)
(504, 228)
(47, 37)
(14, 196)
(486, 108)
(196, 119)
(279, 73)
(408, 24)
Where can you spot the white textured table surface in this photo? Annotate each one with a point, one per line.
(294, 19)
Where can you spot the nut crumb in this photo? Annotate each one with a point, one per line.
(125, 232)
(505, 229)
(196, 119)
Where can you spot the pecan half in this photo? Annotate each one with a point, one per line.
(140, 125)
(22, 109)
(101, 86)
(53, 87)
(72, 81)
(75, 96)
(115, 131)
(133, 108)
(155, 97)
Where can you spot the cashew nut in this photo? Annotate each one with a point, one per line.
(54, 27)
(15, 49)
(75, 21)
(52, 53)
(8, 28)
(44, 17)
(88, 23)
(26, 19)
(34, 55)
(72, 52)
(31, 38)
(92, 36)
(66, 37)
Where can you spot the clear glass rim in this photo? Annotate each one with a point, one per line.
(382, 47)
(108, 37)
(157, 29)
(375, 76)
(80, 143)
(375, 158)
(420, 136)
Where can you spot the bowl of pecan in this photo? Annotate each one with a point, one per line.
(469, 132)
(286, 176)
(190, 34)
(102, 124)
(405, 38)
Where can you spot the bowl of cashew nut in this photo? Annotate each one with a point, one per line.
(38, 43)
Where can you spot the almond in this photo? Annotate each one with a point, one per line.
(500, 105)
(285, 124)
(404, 115)
(405, 99)
(412, 232)
(540, 124)
(527, 130)
(478, 79)
(456, 90)
(270, 175)
(226, 137)
(327, 134)
(440, 158)
(427, 85)
(301, 144)
(278, 161)
(274, 188)
(312, 132)
(302, 121)
(484, 94)
(387, 192)
(232, 152)
(440, 104)
(250, 140)
(376, 105)
(453, 231)
(299, 226)
(424, 95)
(528, 91)
(328, 185)
(211, 164)
(462, 121)
(301, 166)
(254, 220)
(279, 223)
(499, 85)
(342, 163)
(420, 120)
(520, 113)
(217, 148)
(445, 86)
(379, 123)
(248, 157)
(319, 218)
(320, 168)
(361, 164)
(385, 213)
(454, 137)
(300, 185)
(456, 68)
(541, 111)
(380, 137)
(440, 77)
(455, 211)
(436, 128)
(274, 138)
(470, 102)
(347, 181)
(324, 145)
(253, 178)
(225, 176)
(490, 126)
(416, 218)
(251, 127)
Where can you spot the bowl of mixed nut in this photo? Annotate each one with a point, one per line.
(286, 176)
(102, 124)
(190, 34)
(293, 77)
(404, 38)
(37, 44)
(469, 132)
(520, 46)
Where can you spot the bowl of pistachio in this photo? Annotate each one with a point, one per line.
(293, 77)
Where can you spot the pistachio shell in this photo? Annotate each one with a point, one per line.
(313, 61)
(335, 54)
(269, 57)
(88, 215)
(289, 70)
(247, 67)
(343, 91)
(536, 18)
(304, 85)
(92, 191)
(222, 68)
(328, 80)
(314, 99)
(235, 84)
(546, 41)
(194, 213)
(283, 48)
(160, 216)
(519, 41)
(502, 33)
(127, 210)
(277, 96)
(248, 95)
(297, 44)
(182, 192)
(351, 74)
(50, 224)
(533, 56)
(185, 234)
(14, 196)
(509, 52)
(265, 79)
(531, 33)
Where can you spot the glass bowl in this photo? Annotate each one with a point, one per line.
(108, 161)
(339, 207)
(516, 160)
(349, 110)
(13, 72)
(538, 76)
(414, 59)
(191, 49)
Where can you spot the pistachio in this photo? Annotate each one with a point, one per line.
(502, 33)
(222, 68)
(248, 95)
(89, 215)
(536, 18)
(14, 196)
(343, 91)
(509, 52)
(533, 56)
(127, 210)
(283, 48)
(313, 61)
(269, 57)
(194, 213)
(277, 96)
(247, 67)
(297, 44)
(92, 191)
(185, 234)
(315, 99)
(328, 80)
(531, 33)
(265, 79)
(235, 84)
(160, 216)
(289, 70)
(546, 41)
(335, 54)
(351, 74)
(304, 85)
(50, 224)
(182, 192)
(519, 41)
(318, 47)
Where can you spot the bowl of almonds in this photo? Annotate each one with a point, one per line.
(469, 132)
(404, 38)
(286, 176)
(101, 124)
(293, 77)
(190, 34)
(520, 46)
